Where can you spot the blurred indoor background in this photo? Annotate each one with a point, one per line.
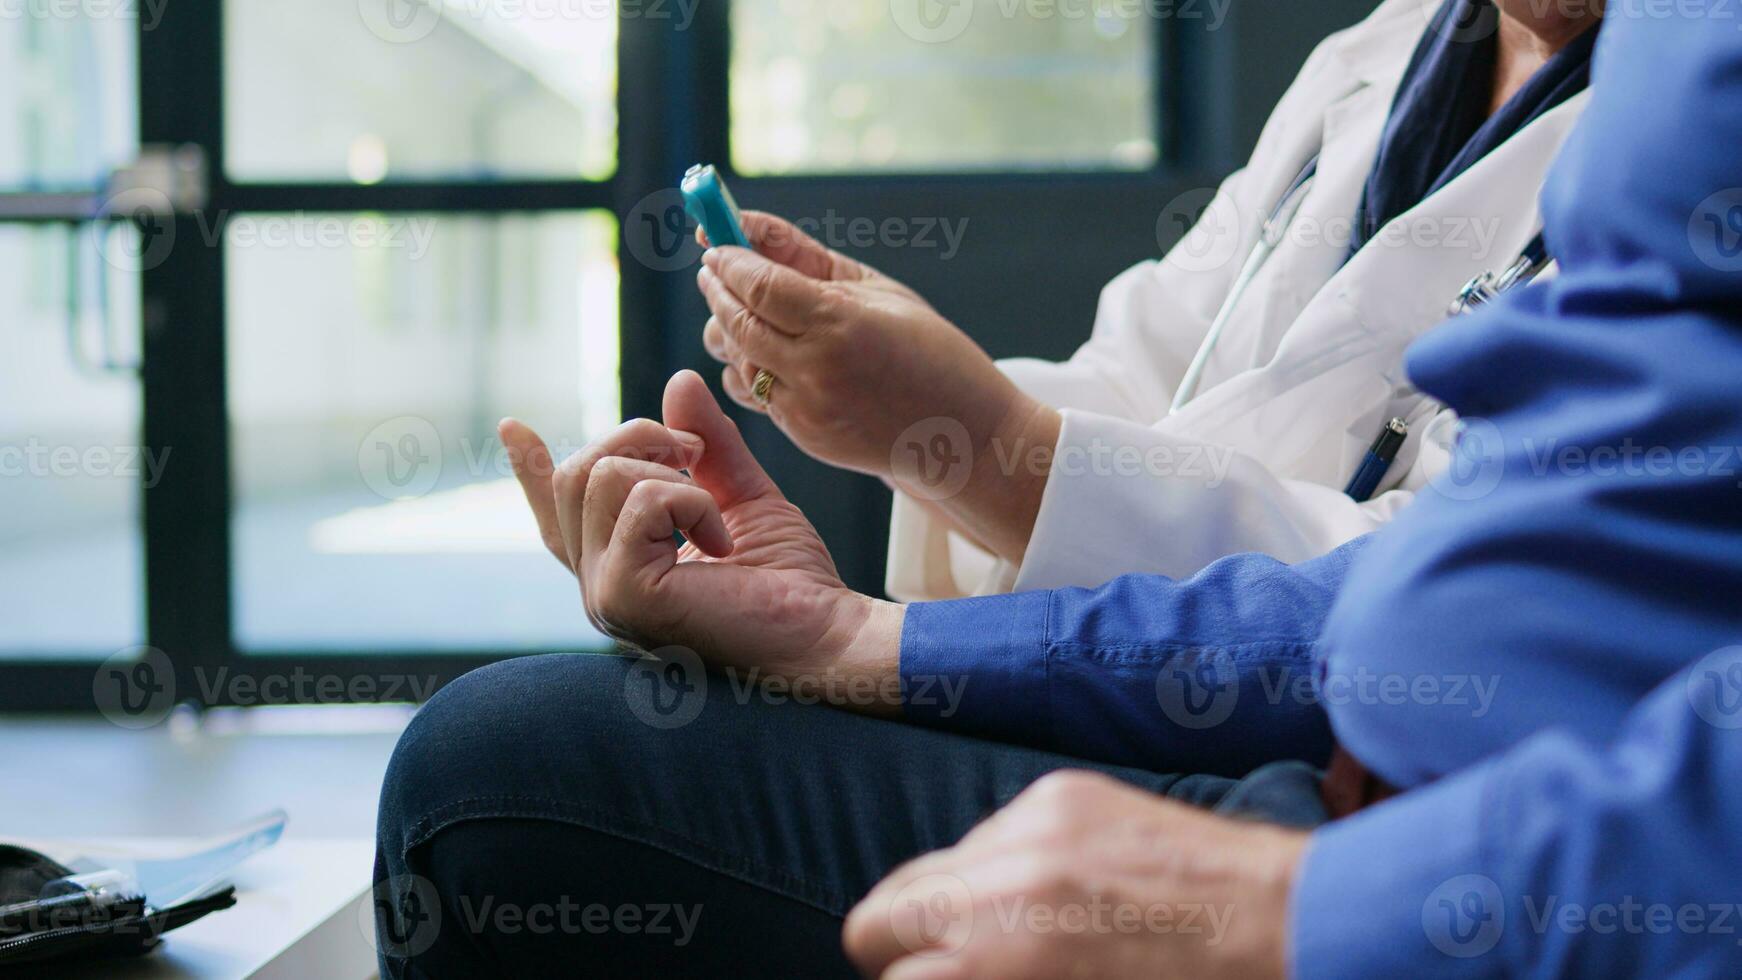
(270, 271)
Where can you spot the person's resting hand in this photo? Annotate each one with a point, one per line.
(752, 585)
(1082, 875)
(868, 372)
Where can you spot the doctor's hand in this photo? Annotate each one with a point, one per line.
(1085, 876)
(870, 375)
(751, 586)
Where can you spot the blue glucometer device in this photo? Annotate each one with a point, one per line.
(707, 200)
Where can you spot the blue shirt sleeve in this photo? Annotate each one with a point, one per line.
(1561, 858)
(1211, 674)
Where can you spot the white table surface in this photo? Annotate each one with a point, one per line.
(302, 910)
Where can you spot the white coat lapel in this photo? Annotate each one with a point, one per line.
(1480, 221)
(1343, 357)
(1346, 139)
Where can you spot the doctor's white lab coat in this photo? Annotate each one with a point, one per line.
(1305, 374)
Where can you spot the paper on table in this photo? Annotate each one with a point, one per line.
(167, 882)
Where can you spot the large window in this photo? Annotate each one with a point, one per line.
(71, 559)
(373, 503)
(393, 90)
(71, 466)
(918, 85)
(253, 425)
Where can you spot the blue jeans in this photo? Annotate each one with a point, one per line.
(545, 816)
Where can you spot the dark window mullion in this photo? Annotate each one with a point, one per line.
(656, 139)
(710, 66)
(187, 542)
(440, 196)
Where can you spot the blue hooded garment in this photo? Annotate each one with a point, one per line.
(1546, 647)
(1586, 557)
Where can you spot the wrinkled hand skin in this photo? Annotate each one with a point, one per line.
(865, 368)
(1080, 876)
(1084, 876)
(752, 585)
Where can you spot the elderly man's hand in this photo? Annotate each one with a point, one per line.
(1084, 876)
(752, 584)
(870, 378)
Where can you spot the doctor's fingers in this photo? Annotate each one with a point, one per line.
(718, 343)
(721, 347)
(789, 301)
(738, 380)
(788, 244)
(751, 335)
(739, 369)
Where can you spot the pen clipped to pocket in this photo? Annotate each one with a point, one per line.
(1377, 462)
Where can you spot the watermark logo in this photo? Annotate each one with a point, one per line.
(1474, 693)
(1464, 916)
(400, 21)
(658, 232)
(403, 916)
(150, 210)
(1467, 23)
(302, 230)
(1714, 688)
(135, 688)
(1477, 462)
(401, 458)
(933, 915)
(932, 21)
(1199, 690)
(1203, 227)
(932, 459)
(667, 687)
(1715, 230)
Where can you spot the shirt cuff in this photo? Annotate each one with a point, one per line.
(978, 665)
(1402, 889)
(1158, 502)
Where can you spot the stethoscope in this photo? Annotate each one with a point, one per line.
(1478, 292)
(1490, 286)
(1275, 226)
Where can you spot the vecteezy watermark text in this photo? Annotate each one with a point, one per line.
(1201, 689)
(1466, 916)
(148, 13)
(407, 915)
(935, 915)
(409, 21)
(660, 234)
(156, 238)
(1632, 459)
(934, 459)
(943, 21)
(38, 459)
(667, 688)
(567, 916)
(138, 688)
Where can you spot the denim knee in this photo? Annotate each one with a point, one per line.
(480, 746)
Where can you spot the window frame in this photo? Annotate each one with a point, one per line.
(672, 110)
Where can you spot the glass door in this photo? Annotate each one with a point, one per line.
(72, 465)
(273, 271)
(372, 506)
